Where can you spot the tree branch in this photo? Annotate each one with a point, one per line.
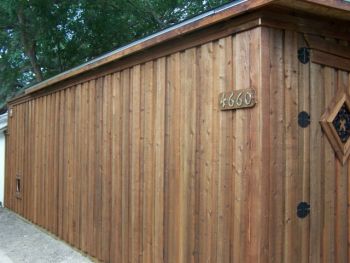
(29, 45)
(148, 10)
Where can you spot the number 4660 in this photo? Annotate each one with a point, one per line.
(237, 99)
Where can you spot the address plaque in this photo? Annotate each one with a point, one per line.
(237, 99)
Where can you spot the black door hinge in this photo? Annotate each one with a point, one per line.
(303, 210)
(303, 119)
(304, 55)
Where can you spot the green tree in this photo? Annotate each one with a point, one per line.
(41, 38)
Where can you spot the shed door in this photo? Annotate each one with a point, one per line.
(325, 144)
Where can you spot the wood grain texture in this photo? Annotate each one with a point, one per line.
(140, 165)
(328, 46)
(330, 60)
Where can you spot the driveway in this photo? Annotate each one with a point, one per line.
(22, 242)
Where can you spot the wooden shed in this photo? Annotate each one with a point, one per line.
(222, 139)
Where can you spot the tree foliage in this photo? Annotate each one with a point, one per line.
(41, 38)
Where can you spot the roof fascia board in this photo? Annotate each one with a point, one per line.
(337, 4)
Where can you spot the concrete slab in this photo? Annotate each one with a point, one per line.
(22, 242)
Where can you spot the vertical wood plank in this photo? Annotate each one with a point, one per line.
(224, 82)
(292, 177)
(148, 168)
(207, 246)
(20, 157)
(328, 237)
(66, 145)
(76, 158)
(56, 154)
(125, 164)
(316, 161)
(61, 157)
(258, 150)
(187, 142)
(41, 185)
(47, 159)
(116, 230)
(84, 171)
(342, 172)
(93, 123)
(241, 175)
(135, 246)
(275, 70)
(98, 168)
(105, 173)
(172, 158)
(49, 166)
(159, 151)
(304, 151)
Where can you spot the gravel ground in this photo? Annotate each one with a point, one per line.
(22, 242)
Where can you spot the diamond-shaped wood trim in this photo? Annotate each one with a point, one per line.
(342, 149)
